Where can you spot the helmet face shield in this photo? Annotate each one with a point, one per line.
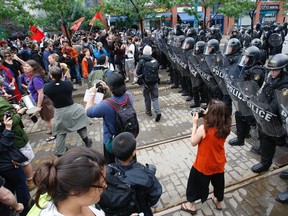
(244, 61)
(208, 50)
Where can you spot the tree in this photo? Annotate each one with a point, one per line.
(135, 9)
(232, 8)
(61, 13)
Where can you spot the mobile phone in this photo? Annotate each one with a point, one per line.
(7, 114)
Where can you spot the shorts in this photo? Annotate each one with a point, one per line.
(28, 152)
(130, 65)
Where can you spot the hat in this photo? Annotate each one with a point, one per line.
(101, 59)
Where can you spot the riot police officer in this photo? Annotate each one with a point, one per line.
(232, 56)
(277, 80)
(233, 51)
(213, 47)
(192, 33)
(252, 70)
(187, 47)
(263, 55)
(199, 87)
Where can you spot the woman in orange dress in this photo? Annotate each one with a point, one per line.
(211, 159)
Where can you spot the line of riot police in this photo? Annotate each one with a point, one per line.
(259, 93)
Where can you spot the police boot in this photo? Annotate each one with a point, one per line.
(259, 168)
(256, 150)
(236, 142)
(284, 174)
(194, 105)
(282, 198)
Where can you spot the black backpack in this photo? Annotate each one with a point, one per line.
(150, 71)
(119, 198)
(126, 118)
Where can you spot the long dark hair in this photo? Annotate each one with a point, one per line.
(37, 69)
(218, 117)
(74, 172)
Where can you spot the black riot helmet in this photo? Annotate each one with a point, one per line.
(277, 62)
(258, 26)
(212, 47)
(257, 42)
(178, 30)
(235, 31)
(199, 47)
(251, 56)
(233, 46)
(180, 40)
(191, 32)
(188, 43)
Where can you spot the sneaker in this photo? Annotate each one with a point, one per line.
(127, 79)
(158, 117)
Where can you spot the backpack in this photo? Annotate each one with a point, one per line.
(150, 71)
(96, 75)
(136, 53)
(118, 198)
(126, 118)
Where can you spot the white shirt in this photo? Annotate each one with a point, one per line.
(51, 210)
(130, 54)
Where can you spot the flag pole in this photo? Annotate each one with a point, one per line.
(91, 28)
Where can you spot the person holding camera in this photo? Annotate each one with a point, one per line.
(12, 170)
(21, 139)
(99, 50)
(129, 59)
(210, 159)
(69, 116)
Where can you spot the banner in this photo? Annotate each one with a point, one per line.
(36, 33)
(77, 24)
(96, 16)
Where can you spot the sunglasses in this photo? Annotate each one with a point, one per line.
(7, 55)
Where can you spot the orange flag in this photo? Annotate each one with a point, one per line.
(96, 16)
(36, 33)
(77, 24)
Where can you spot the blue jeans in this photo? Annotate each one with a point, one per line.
(150, 93)
(16, 182)
(75, 72)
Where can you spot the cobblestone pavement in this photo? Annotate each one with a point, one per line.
(166, 144)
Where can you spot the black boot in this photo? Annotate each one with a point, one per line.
(236, 142)
(282, 198)
(88, 142)
(284, 174)
(194, 105)
(256, 150)
(259, 168)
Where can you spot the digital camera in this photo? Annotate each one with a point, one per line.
(200, 112)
